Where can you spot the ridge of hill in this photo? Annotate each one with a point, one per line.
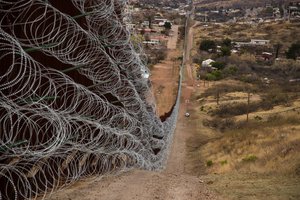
(239, 3)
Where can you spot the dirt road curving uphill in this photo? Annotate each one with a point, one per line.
(173, 183)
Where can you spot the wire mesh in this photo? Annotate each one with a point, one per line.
(74, 103)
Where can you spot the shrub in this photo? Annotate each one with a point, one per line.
(205, 45)
(228, 110)
(223, 162)
(226, 42)
(218, 65)
(250, 158)
(221, 124)
(231, 70)
(160, 55)
(197, 60)
(180, 58)
(168, 25)
(181, 31)
(214, 75)
(279, 119)
(294, 51)
(274, 118)
(276, 98)
(225, 51)
(224, 88)
(210, 77)
(209, 163)
(249, 78)
(258, 118)
(297, 170)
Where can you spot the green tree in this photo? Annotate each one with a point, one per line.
(225, 51)
(168, 25)
(210, 77)
(206, 45)
(213, 76)
(218, 65)
(230, 70)
(294, 51)
(226, 42)
(137, 40)
(150, 17)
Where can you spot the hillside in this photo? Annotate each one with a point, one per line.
(237, 3)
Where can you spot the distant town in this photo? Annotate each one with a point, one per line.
(151, 25)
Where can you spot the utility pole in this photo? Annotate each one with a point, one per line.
(277, 48)
(248, 105)
(205, 16)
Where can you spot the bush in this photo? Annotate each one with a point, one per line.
(221, 124)
(279, 119)
(224, 88)
(268, 102)
(229, 110)
(205, 45)
(223, 162)
(297, 170)
(218, 65)
(160, 55)
(209, 163)
(181, 32)
(258, 118)
(157, 55)
(274, 118)
(180, 58)
(168, 25)
(249, 78)
(294, 51)
(210, 77)
(229, 71)
(226, 42)
(225, 51)
(214, 76)
(276, 97)
(250, 158)
(197, 60)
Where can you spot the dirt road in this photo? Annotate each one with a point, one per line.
(173, 183)
(172, 42)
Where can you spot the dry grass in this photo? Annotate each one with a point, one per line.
(254, 186)
(231, 3)
(278, 32)
(259, 159)
(255, 160)
(261, 138)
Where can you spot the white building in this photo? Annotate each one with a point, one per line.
(152, 41)
(259, 42)
(207, 63)
(130, 26)
(254, 42)
(146, 24)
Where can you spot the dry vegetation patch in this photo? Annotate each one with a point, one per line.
(265, 147)
(285, 32)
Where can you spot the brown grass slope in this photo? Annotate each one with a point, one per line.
(238, 3)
